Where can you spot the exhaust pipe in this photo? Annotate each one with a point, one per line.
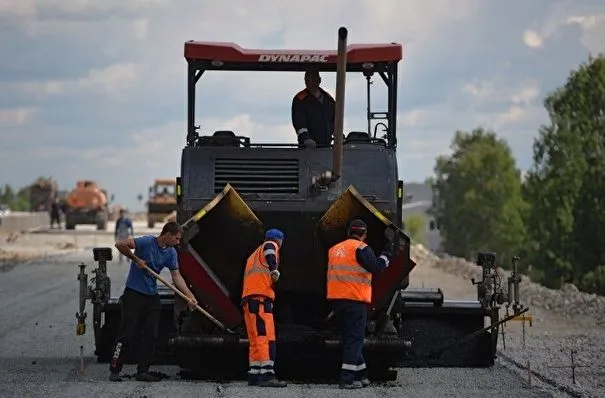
(339, 111)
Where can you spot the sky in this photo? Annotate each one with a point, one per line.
(96, 89)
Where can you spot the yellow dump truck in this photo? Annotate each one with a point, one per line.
(162, 200)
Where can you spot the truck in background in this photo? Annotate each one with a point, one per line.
(87, 204)
(162, 200)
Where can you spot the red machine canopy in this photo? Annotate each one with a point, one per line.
(232, 53)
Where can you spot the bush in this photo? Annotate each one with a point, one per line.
(415, 227)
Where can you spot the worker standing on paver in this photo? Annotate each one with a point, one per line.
(123, 230)
(141, 299)
(351, 264)
(313, 112)
(257, 301)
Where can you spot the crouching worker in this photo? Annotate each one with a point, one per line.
(257, 301)
(141, 299)
(351, 264)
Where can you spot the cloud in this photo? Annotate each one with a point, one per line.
(52, 10)
(112, 81)
(100, 86)
(140, 27)
(532, 39)
(16, 116)
(588, 16)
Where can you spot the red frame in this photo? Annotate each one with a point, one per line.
(208, 293)
(231, 52)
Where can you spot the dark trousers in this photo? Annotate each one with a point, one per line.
(351, 317)
(137, 306)
(55, 218)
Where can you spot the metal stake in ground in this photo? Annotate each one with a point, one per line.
(573, 365)
(182, 295)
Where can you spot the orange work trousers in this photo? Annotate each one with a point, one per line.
(258, 316)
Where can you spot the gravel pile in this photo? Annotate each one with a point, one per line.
(567, 301)
(549, 358)
(565, 320)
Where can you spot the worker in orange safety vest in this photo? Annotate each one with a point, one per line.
(351, 264)
(257, 301)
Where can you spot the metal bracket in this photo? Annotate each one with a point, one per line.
(434, 354)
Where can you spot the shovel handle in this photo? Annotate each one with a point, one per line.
(187, 299)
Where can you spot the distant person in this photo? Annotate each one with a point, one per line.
(123, 230)
(313, 113)
(55, 214)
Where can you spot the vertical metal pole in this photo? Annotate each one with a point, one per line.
(191, 70)
(573, 368)
(369, 109)
(393, 104)
(341, 70)
(81, 371)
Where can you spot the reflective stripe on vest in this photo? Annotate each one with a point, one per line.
(346, 278)
(257, 275)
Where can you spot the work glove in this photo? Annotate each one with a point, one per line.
(389, 250)
(310, 144)
(275, 275)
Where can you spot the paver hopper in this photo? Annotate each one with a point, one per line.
(230, 190)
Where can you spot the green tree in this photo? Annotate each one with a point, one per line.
(17, 201)
(415, 226)
(6, 194)
(477, 197)
(565, 185)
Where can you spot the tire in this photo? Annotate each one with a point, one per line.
(102, 221)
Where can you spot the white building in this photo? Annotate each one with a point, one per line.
(419, 197)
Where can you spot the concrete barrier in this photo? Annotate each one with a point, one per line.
(17, 221)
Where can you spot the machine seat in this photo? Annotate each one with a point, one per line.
(357, 137)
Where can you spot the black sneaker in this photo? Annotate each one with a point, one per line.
(115, 376)
(273, 383)
(351, 386)
(145, 376)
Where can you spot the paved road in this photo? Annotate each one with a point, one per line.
(39, 351)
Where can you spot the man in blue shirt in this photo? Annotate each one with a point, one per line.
(141, 299)
(123, 230)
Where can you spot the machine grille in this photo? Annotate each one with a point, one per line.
(278, 176)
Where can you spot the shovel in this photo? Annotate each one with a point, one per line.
(197, 307)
